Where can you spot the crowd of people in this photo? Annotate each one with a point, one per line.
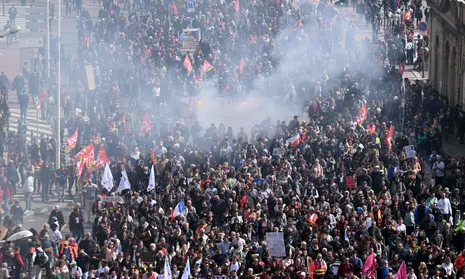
(357, 188)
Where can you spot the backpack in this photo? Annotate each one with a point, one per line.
(40, 259)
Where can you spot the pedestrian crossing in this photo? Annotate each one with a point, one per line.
(22, 12)
(20, 17)
(34, 125)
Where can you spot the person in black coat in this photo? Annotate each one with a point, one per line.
(76, 225)
(17, 212)
(23, 104)
(59, 215)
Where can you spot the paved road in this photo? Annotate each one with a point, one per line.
(11, 59)
(37, 221)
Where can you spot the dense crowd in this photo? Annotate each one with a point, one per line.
(361, 181)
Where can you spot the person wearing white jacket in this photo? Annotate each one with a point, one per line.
(28, 190)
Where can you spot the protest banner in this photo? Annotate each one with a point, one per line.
(275, 241)
(278, 151)
(115, 199)
(410, 151)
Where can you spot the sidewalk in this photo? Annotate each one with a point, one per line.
(365, 31)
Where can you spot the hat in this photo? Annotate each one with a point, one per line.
(73, 263)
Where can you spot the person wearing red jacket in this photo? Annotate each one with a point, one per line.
(18, 263)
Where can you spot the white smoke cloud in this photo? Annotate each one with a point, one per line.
(301, 58)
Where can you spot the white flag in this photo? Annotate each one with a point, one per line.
(167, 271)
(151, 185)
(124, 182)
(187, 270)
(107, 179)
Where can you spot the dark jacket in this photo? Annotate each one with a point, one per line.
(59, 216)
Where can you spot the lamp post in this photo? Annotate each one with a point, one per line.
(47, 20)
(58, 126)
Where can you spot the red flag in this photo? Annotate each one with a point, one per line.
(389, 136)
(82, 154)
(72, 140)
(369, 268)
(152, 156)
(362, 115)
(84, 157)
(146, 124)
(237, 6)
(187, 64)
(371, 128)
(295, 140)
(311, 268)
(207, 67)
(402, 272)
(241, 66)
(102, 158)
(90, 158)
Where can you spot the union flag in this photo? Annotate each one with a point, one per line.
(102, 158)
(72, 140)
(187, 64)
(146, 124)
(362, 115)
(207, 67)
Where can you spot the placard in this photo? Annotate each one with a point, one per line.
(350, 182)
(275, 241)
(90, 77)
(278, 151)
(115, 199)
(410, 151)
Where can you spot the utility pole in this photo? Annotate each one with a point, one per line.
(58, 126)
(47, 20)
(3, 7)
(423, 57)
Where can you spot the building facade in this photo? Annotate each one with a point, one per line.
(447, 48)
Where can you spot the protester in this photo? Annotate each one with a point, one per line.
(345, 193)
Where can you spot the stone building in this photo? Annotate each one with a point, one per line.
(447, 48)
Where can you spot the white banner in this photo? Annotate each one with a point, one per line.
(113, 199)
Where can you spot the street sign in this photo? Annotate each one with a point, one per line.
(191, 4)
(423, 26)
(183, 37)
